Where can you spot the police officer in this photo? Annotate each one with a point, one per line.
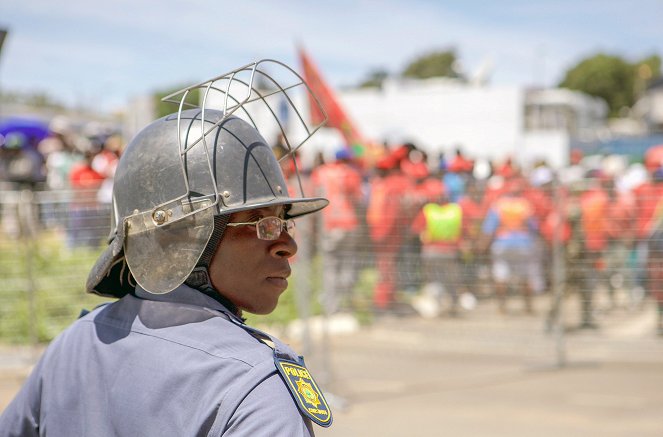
(202, 230)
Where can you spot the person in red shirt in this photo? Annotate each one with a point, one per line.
(620, 230)
(593, 223)
(560, 231)
(607, 221)
(539, 192)
(341, 183)
(654, 248)
(460, 164)
(473, 256)
(86, 225)
(426, 187)
(646, 196)
(83, 176)
(508, 169)
(388, 225)
(496, 186)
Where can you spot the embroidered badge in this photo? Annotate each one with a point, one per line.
(308, 396)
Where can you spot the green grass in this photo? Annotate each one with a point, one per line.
(42, 290)
(287, 310)
(42, 287)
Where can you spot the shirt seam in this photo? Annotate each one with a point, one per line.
(172, 341)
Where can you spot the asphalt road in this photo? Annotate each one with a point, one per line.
(488, 375)
(480, 374)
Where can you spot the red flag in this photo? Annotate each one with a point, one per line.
(337, 117)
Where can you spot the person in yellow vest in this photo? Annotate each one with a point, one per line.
(440, 228)
(511, 226)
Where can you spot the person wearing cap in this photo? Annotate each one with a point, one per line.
(388, 224)
(424, 188)
(595, 206)
(202, 231)
(511, 225)
(341, 183)
(655, 253)
(647, 195)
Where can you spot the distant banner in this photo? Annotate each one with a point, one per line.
(3, 35)
(337, 118)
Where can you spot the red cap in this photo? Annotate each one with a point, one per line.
(576, 156)
(386, 163)
(400, 153)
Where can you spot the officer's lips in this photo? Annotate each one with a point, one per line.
(280, 279)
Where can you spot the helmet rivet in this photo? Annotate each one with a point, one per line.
(136, 211)
(159, 217)
(170, 212)
(279, 189)
(226, 194)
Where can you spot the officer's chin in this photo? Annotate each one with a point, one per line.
(263, 308)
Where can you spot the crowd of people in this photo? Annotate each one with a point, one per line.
(431, 229)
(437, 232)
(79, 160)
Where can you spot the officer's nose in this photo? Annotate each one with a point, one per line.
(284, 247)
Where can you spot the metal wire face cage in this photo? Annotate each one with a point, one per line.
(211, 157)
(269, 95)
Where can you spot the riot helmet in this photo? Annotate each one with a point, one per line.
(180, 177)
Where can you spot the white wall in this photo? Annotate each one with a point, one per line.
(657, 106)
(553, 146)
(140, 112)
(485, 122)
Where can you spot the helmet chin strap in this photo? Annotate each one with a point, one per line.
(199, 277)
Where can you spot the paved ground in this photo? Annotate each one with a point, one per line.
(478, 375)
(485, 375)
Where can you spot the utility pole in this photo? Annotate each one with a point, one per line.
(3, 36)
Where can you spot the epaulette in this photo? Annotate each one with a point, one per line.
(305, 392)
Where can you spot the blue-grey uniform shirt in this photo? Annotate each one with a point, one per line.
(177, 364)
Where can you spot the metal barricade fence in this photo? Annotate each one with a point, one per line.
(580, 291)
(50, 240)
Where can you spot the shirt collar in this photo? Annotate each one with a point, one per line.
(185, 295)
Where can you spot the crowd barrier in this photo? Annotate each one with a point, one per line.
(582, 304)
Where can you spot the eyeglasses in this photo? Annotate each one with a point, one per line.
(270, 228)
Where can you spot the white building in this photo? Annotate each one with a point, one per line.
(649, 107)
(440, 115)
(485, 121)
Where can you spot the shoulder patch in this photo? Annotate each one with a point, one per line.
(304, 390)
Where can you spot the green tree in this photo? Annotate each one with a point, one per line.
(374, 79)
(653, 64)
(164, 108)
(612, 78)
(37, 99)
(435, 64)
(645, 71)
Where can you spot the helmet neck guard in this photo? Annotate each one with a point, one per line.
(199, 277)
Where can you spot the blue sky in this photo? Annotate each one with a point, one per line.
(102, 53)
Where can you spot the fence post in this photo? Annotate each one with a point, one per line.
(27, 231)
(303, 280)
(324, 346)
(558, 276)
